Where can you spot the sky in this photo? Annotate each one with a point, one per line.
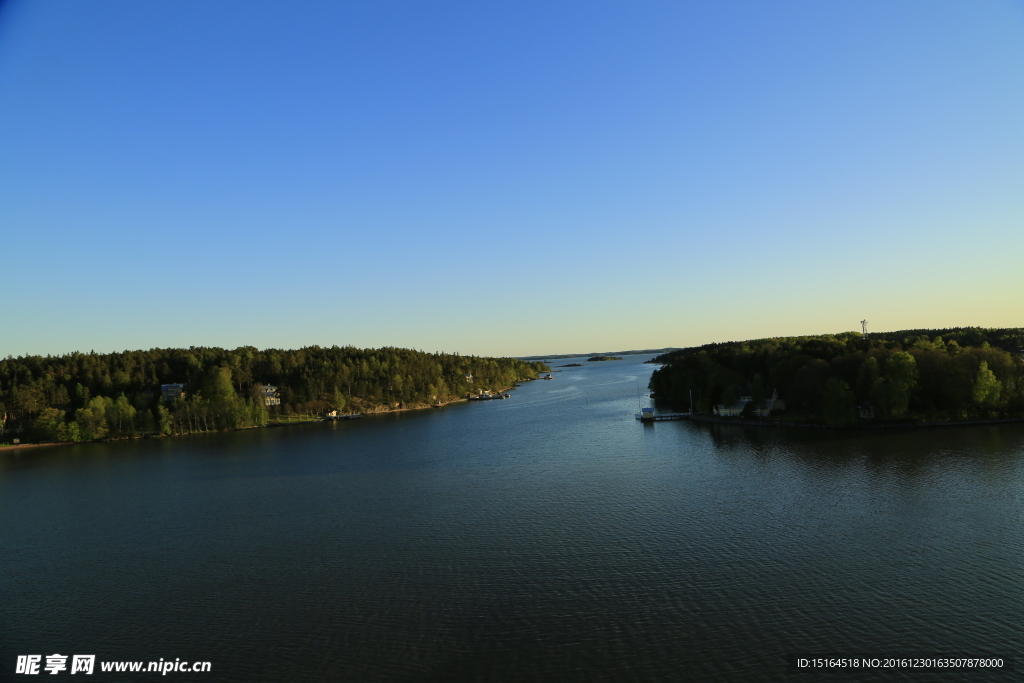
(505, 178)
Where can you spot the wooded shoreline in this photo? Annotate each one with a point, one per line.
(267, 425)
(852, 380)
(90, 397)
(738, 422)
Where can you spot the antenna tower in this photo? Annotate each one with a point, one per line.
(864, 327)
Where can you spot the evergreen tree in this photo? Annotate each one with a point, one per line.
(757, 392)
(839, 403)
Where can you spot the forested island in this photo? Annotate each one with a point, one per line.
(600, 358)
(633, 352)
(88, 396)
(848, 379)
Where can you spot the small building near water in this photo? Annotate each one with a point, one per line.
(772, 402)
(169, 392)
(270, 395)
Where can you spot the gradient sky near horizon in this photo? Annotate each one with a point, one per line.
(505, 178)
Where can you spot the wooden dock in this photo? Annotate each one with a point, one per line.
(662, 417)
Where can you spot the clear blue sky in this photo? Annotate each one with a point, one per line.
(510, 179)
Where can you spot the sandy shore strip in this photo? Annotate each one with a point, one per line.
(19, 446)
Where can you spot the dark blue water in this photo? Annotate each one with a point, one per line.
(548, 537)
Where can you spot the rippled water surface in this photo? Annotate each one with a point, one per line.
(547, 537)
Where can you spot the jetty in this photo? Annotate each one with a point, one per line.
(648, 415)
(487, 396)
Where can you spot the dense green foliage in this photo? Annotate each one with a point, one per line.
(85, 396)
(918, 374)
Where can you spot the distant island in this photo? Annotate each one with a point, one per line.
(571, 365)
(848, 379)
(635, 352)
(598, 358)
(89, 396)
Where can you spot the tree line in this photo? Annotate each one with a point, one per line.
(840, 379)
(87, 396)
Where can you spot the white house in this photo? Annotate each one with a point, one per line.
(736, 409)
(270, 395)
(771, 402)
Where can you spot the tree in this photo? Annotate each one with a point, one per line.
(144, 421)
(258, 411)
(757, 393)
(899, 380)
(47, 425)
(986, 387)
(839, 403)
(869, 380)
(61, 399)
(806, 385)
(91, 420)
(81, 394)
(729, 397)
(121, 414)
(163, 419)
(68, 431)
(339, 401)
